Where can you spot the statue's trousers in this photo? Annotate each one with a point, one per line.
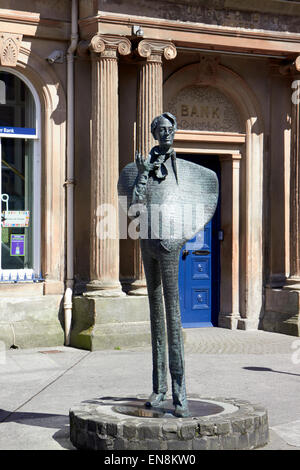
(161, 271)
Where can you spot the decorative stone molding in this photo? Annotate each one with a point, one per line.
(9, 48)
(153, 50)
(208, 70)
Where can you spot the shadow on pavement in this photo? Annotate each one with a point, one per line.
(43, 420)
(268, 369)
(110, 400)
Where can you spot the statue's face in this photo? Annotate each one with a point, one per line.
(165, 132)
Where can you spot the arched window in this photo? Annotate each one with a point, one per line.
(20, 176)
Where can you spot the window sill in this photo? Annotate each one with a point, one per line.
(21, 289)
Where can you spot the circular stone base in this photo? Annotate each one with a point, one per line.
(127, 424)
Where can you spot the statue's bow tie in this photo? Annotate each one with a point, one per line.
(160, 169)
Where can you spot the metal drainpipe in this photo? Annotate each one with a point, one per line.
(70, 175)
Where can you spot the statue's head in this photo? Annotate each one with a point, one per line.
(163, 129)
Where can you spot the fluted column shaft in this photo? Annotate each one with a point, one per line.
(293, 280)
(149, 105)
(104, 248)
(149, 102)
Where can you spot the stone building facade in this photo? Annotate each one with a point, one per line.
(80, 82)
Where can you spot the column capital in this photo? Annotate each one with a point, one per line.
(154, 49)
(101, 43)
(105, 46)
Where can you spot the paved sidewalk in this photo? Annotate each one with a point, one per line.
(39, 386)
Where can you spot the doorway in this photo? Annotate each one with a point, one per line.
(199, 264)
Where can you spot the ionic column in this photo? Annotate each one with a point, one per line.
(104, 237)
(282, 306)
(149, 105)
(293, 281)
(230, 252)
(276, 161)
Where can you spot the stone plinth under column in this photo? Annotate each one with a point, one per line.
(127, 424)
(100, 323)
(138, 287)
(281, 315)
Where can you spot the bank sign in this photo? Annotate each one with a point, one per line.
(204, 108)
(26, 132)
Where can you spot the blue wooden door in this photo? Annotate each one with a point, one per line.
(195, 280)
(199, 273)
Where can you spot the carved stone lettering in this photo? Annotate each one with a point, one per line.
(205, 108)
(214, 12)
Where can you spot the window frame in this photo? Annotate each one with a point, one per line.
(37, 173)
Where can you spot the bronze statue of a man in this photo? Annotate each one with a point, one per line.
(160, 183)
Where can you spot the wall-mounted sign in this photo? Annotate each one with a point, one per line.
(17, 245)
(204, 108)
(8, 131)
(15, 218)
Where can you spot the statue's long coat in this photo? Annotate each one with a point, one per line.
(189, 191)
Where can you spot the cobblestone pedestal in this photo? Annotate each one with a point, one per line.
(114, 423)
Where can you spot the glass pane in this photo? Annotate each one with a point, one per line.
(17, 187)
(17, 108)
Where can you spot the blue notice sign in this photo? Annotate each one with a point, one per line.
(17, 131)
(17, 245)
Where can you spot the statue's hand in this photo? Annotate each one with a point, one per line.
(143, 164)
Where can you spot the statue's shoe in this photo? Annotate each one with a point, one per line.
(155, 400)
(182, 411)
